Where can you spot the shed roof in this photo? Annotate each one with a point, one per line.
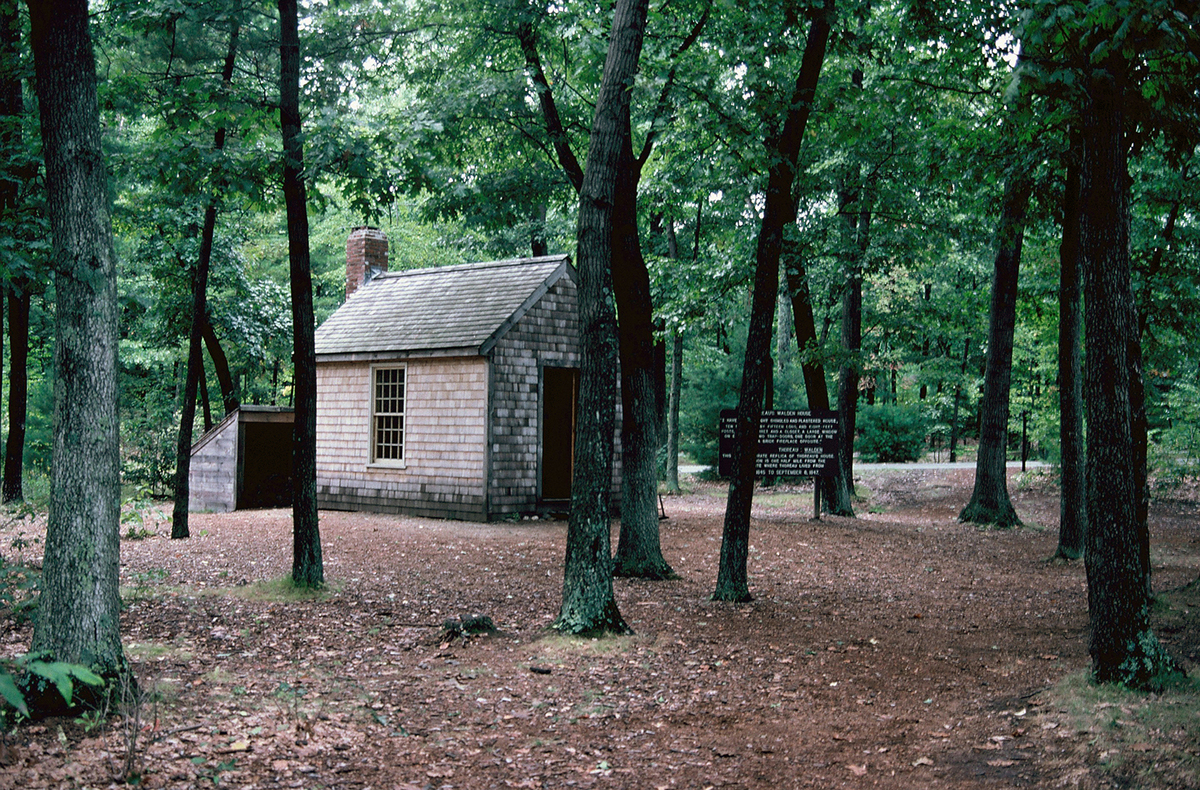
(464, 308)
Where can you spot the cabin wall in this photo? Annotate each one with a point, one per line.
(547, 335)
(444, 445)
(212, 473)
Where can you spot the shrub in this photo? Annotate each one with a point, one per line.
(891, 433)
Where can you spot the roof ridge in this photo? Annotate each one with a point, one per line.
(506, 262)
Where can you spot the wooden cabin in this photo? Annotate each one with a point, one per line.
(451, 391)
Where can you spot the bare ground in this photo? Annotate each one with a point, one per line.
(899, 650)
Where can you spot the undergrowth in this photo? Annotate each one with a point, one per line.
(1139, 739)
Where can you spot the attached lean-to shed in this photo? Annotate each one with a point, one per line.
(245, 461)
(448, 391)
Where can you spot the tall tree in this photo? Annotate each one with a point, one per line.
(588, 603)
(639, 551)
(1072, 521)
(779, 210)
(1122, 645)
(835, 491)
(307, 567)
(79, 607)
(990, 503)
(12, 108)
(854, 206)
(195, 364)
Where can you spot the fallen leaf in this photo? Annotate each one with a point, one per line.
(1142, 747)
(1001, 763)
(858, 770)
(923, 761)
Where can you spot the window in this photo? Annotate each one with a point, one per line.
(387, 417)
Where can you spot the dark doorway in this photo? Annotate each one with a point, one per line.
(265, 460)
(560, 392)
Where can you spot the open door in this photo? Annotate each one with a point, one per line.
(560, 393)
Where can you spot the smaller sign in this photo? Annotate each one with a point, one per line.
(791, 443)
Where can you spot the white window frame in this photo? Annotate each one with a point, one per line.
(399, 445)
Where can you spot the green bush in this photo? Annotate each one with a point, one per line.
(891, 433)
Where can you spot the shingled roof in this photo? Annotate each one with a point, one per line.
(463, 308)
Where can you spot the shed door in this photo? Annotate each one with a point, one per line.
(560, 393)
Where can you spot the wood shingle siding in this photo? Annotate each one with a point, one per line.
(446, 400)
(212, 474)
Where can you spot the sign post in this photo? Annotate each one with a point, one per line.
(791, 443)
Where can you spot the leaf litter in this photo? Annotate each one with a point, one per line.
(827, 677)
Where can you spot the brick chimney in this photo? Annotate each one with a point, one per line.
(366, 256)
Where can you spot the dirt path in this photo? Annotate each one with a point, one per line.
(900, 650)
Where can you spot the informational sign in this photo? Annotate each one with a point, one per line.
(791, 443)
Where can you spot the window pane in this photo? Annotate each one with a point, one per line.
(388, 430)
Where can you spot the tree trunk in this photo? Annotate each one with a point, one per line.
(673, 413)
(12, 107)
(855, 208)
(205, 405)
(307, 567)
(537, 231)
(1072, 523)
(18, 389)
(779, 210)
(639, 551)
(195, 365)
(1122, 646)
(989, 501)
(835, 493)
(676, 390)
(954, 424)
(589, 606)
(79, 606)
(229, 395)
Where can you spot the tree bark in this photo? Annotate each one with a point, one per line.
(229, 394)
(18, 390)
(195, 365)
(955, 428)
(676, 383)
(307, 567)
(79, 607)
(673, 412)
(589, 606)
(779, 210)
(1123, 647)
(990, 503)
(854, 206)
(835, 493)
(639, 551)
(1072, 523)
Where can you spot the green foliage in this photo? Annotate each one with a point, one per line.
(1175, 453)
(1147, 666)
(18, 675)
(891, 433)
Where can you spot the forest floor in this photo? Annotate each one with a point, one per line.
(900, 649)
